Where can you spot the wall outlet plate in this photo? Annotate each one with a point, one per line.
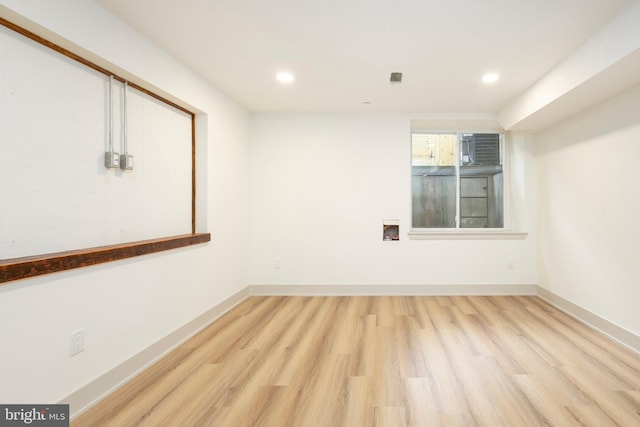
(76, 344)
(111, 159)
(126, 162)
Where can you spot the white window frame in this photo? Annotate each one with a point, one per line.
(504, 232)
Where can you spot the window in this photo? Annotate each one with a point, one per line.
(457, 180)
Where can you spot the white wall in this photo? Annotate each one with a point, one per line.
(69, 200)
(606, 64)
(126, 306)
(323, 183)
(589, 234)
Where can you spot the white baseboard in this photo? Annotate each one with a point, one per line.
(590, 319)
(347, 290)
(96, 390)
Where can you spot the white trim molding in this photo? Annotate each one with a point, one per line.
(380, 290)
(590, 319)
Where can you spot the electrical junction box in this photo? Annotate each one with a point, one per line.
(126, 162)
(111, 159)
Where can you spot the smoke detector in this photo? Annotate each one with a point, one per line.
(395, 78)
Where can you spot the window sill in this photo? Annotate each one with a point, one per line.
(478, 234)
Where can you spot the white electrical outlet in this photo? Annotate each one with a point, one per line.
(77, 342)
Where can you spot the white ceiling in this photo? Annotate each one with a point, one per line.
(343, 51)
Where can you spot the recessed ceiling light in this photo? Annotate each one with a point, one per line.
(490, 78)
(285, 77)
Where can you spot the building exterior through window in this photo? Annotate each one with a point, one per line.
(457, 180)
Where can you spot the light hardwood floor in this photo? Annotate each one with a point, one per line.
(385, 361)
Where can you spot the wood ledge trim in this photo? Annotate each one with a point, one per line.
(31, 266)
